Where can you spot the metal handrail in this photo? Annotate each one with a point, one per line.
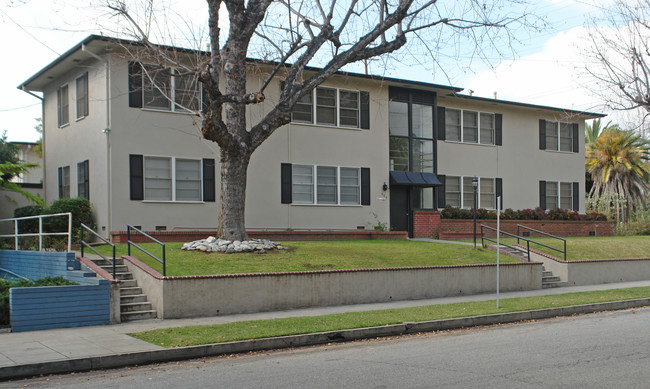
(129, 243)
(483, 239)
(83, 244)
(542, 244)
(40, 233)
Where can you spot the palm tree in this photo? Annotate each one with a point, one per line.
(593, 130)
(618, 163)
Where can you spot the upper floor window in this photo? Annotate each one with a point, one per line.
(469, 126)
(163, 89)
(62, 105)
(558, 136)
(82, 95)
(333, 107)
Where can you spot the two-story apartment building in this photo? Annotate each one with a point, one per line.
(360, 149)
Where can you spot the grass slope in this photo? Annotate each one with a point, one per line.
(606, 247)
(306, 256)
(197, 335)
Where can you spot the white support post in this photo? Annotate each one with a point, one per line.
(40, 233)
(69, 231)
(498, 244)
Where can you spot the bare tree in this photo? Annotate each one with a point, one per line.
(293, 35)
(619, 56)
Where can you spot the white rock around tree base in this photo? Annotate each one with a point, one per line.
(214, 245)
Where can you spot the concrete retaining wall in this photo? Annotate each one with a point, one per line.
(46, 307)
(177, 297)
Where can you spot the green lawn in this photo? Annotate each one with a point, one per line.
(305, 256)
(196, 335)
(606, 247)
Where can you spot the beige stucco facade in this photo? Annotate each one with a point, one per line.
(111, 132)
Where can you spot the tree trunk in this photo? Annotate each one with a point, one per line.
(234, 167)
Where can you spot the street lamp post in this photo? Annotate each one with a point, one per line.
(475, 186)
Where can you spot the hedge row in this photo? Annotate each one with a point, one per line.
(79, 207)
(523, 214)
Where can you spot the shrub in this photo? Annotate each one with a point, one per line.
(28, 226)
(595, 216)
(5, 285)
(510, 214)
(81, 213)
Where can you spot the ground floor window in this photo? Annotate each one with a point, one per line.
(459, 192)
(561, 195)
(83, 187)
(64, 182)
(333, 185)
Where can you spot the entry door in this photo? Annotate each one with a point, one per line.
(399, 208)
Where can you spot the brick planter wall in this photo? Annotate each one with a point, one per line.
(427, 224)
(188, 236)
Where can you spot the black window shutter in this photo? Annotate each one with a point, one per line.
(441, 123)
(208, 180)
(365, 186)
(542, 194)
(499, 190)
(576, 148)
(498, 132)
(576, 196)
(60, 182)
(441, 192)
(86, 180)
(136, 181)
(542, 134)
(135, 85)
(364, 110)
(285, 180)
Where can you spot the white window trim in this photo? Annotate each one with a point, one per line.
(462, 125)
(559, 195)
(314, 171)
(173, 180)
(478, 191)
(557, 133)
(314, 117)
(174, 107)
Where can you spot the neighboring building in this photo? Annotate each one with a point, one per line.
(32, 182)
(351, 157)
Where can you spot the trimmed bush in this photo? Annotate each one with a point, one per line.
(525, 214)
(81, 213)
(28, 226)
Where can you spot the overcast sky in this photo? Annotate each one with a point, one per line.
(546, 68)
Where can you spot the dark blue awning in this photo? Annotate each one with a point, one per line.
(414, 179)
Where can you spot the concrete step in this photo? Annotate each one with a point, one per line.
(118, 268)
(547, 273)
(133, 298)
(128, 284)
(124, 276)
(130, 290)
(138, 315)
(133, 307)
(555, 284)
(550, 279)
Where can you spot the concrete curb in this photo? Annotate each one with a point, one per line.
(210, 350)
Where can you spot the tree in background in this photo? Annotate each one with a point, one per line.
(618, 163)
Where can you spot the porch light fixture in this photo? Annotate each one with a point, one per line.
(475, 185)
(384, 187)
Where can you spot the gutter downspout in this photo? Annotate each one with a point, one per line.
(22, 88)
(107, 131)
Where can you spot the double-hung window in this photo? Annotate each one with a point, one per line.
(64, 182)
(459, 192)
(169, 90)
(62, 105)
(82, 95)
(172, 179)
(558, 136)
(330, 107)
(469, 126)
(559, 195)
(327, 185)
(83, 187)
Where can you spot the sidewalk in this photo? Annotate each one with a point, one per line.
(62, 350)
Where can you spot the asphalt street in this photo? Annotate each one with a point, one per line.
(604, 350)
